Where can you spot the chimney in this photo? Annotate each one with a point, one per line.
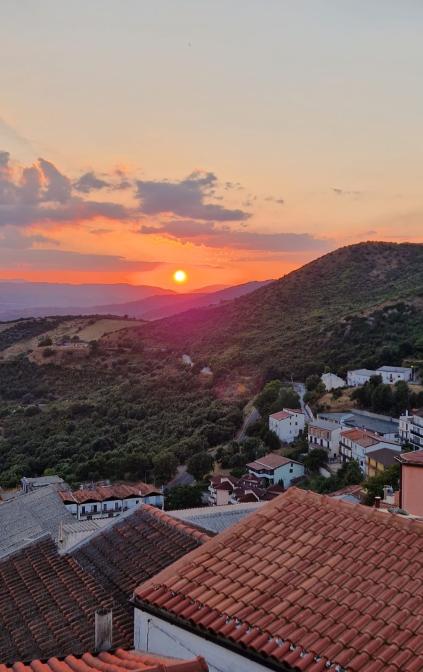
(103, 629)
(377, 502)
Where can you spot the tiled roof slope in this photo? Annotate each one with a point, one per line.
(135, 548)
(413, 457)
(307, 583)
(28, 516)
(48, 605)
(104, 492)
(216, 518)
(116, 661)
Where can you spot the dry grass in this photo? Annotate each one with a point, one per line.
(6, 325)
(93, 332)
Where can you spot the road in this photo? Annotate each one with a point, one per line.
(182, 478)
(300, 389)
(250, 419)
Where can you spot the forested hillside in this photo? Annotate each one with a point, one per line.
(130, 409)
(358, 306)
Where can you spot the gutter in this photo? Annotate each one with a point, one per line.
(270, 664)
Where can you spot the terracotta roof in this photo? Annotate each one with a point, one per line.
(48, 605)
(270, 461)
(104, 492)
(361, 437)
(280, 415)
(135, 548)
(306, 583)
(412, 457)
(116, 661)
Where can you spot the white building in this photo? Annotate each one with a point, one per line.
(332, 382)
(273, 468)
(411, 430)
(107, 501)
(287, 424)
(358, 444)
(359, 377)
(389, 374)
(325, 434)
(393, 374)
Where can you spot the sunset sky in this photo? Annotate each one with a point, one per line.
(232, 139)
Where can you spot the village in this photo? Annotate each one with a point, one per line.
(266, 574)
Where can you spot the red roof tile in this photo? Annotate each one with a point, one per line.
(115, 661)
(413, 457)
(307, 581)
(103, 492)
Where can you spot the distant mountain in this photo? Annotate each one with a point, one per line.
(38, 299)
(361, 305)
(156, 307)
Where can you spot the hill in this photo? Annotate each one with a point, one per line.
(156, 307)
(39, 299)
(358, 306)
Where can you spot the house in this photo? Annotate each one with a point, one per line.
(359, 377)
(411, 429)
(411, 482)
(29, 484)
(373, 422)
(287, 424)
(379, 460)
(306, 583)
(332, 382)
(357, 444)
(119, 660)
(106, 501)
(273, 468)
(393, 374)
(49, 599)
(389, 374)
(325, 434)
(226, 490)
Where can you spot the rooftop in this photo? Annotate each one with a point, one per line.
(43, 480)
(361, 437)
(384, 456)
(373, 422)
(115, 661)
(28, 516)
(216, 518)
(133, 548)
(104, 492)
(395, 369)
(323, 424)
(413, 457)
(48, 605)
(307, 582)
(270, 461)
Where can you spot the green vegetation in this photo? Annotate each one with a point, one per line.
(374, 485)
(136, 420)
(349, 474)
(200, 464)
(184, 497)
(381, 398)
(315, 459)
(359, 306)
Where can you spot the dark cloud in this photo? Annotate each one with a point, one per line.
(13, 239)
(208, 234)
(89, 182)
(185, 198)
(41, 194)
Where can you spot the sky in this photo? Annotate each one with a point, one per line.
(233, 140)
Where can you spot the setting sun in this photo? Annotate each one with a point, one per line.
(180, 277)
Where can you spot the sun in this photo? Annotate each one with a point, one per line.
(180, 277)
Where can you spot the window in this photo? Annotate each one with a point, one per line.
(83, 509)
(94, 508)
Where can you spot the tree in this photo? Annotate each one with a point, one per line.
(184, 497)
(200, 464)
(374, 485)
(315, 459)
(312, 382)
(165, 465)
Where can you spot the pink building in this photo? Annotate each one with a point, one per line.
(411, 482)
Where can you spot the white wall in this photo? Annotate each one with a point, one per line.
(154, 635)
(289, 428)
